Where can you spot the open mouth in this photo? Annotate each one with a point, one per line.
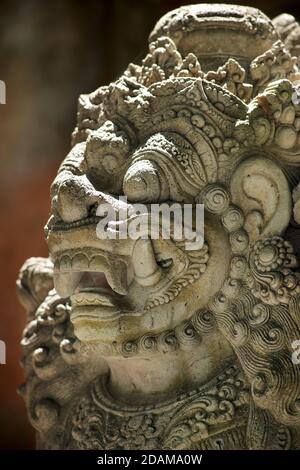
(95, 282)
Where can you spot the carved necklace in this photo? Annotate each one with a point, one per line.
(101, 423)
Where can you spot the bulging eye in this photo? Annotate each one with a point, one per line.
(165, 263)
(142, 182)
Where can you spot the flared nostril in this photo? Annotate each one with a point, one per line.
(73, 199)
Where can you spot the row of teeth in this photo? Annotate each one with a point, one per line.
(68, 269)
(80, 262)
(79, 223)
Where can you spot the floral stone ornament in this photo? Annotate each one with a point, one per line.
(143, 344)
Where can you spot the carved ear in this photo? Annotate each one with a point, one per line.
(261, 190)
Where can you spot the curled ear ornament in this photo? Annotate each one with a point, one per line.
(260, 188)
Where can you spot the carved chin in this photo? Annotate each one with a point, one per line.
(109, 327)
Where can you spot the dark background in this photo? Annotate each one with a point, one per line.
(50, 52)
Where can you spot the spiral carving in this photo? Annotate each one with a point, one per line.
(216, 198)
(259, 315)
(204, 321)
(187, 335)
(233, 219)
(239, 241)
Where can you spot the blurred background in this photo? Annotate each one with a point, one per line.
(50, 52)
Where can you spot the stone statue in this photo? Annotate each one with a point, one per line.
(143, 344)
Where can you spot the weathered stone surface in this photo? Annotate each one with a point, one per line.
(144, 344)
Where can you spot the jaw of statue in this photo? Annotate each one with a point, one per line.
(133, 303)
(121, 290)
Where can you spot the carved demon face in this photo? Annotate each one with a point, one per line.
(210, 117)
(122, 289)
(169, 133)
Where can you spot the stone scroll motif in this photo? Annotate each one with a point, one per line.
(145, 344)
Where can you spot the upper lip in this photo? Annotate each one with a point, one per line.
(122, 261)
(59, 225)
